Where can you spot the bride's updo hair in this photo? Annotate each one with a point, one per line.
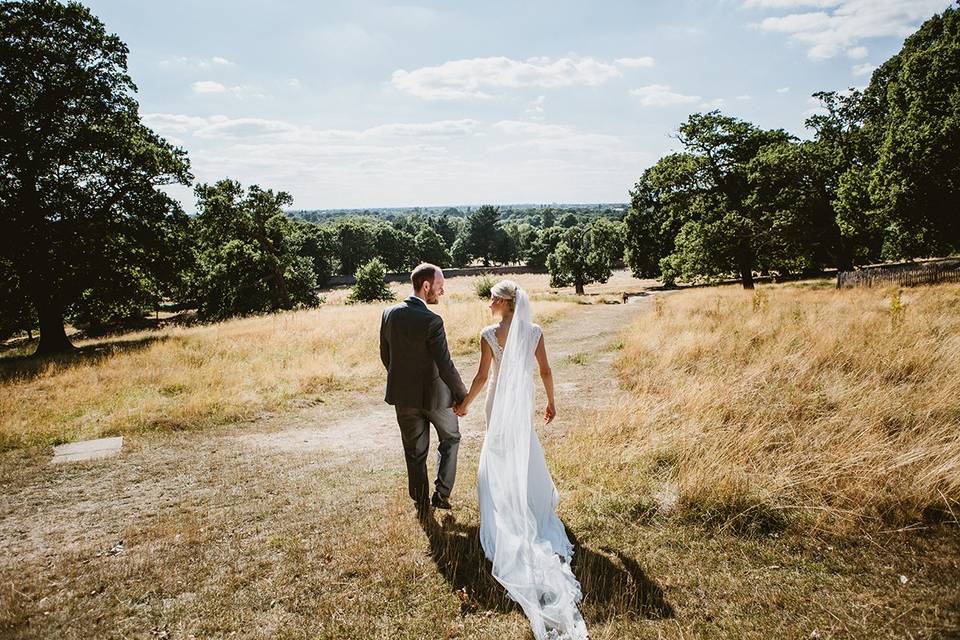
(506, 290)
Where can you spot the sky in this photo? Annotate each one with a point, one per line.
(371, 103)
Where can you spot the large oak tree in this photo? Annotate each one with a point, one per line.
(80, 200)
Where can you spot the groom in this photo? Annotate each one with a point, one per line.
(423, 385)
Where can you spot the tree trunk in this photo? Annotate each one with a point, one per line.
(578, 285)
(746, 277)
(53, 335)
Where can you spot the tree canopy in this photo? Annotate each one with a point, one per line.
(249, 254)
(84, 215)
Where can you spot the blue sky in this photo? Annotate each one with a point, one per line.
(373, 103)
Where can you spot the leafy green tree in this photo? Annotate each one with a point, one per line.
(318, 244)
(568, 221)
(608, 237)
(548, 218)
(395, 248)
(697, 202)
(83, 212)
(790, 200)
(526, 234)
(356, 244)
(543, 245)
(578, 261)
(430, 248)
(443, 226)
(506, 250)
(460, 252)
(845, 146)
(247, 259)
(659, 202)
(913, 118)
(370, 285)
(482, 233)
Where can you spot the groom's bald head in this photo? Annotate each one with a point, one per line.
(427, 281)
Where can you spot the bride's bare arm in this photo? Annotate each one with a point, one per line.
(546, 375)
(486, 355)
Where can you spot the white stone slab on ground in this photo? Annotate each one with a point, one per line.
(87, 450)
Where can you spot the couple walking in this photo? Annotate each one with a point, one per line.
(520, 532)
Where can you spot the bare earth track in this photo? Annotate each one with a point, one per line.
(66, 528)
(297, 525)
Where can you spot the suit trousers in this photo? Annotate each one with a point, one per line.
(415, 433)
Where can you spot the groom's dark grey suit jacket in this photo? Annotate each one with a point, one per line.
(413, 347)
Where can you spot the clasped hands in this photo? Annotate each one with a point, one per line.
(549, 413)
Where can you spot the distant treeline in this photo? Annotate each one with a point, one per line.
(90, 237)
(519, 212)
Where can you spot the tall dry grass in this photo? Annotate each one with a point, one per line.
(791, 406)
(462, 288)
(190, 378)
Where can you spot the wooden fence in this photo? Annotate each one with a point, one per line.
(908, 274)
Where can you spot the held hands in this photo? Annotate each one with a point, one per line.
(461, 409)
(549, 413)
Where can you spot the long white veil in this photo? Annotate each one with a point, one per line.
(519, 529)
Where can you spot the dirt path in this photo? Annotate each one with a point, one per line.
(49, 511)
(578, 344)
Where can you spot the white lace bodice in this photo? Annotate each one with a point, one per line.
(489, 335)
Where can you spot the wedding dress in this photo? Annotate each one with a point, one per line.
(519, 528)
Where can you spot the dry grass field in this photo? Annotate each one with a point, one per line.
(732, 465)
(825, 409)
(194, 377)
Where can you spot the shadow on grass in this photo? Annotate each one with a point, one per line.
(29, 367)
(613, 584)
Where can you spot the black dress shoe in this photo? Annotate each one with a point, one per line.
(440, 502)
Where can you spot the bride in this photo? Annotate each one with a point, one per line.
(519, 528)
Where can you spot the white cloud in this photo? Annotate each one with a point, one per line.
(863, 69)
(439, 128)
(235, 128)
(536, 107)
(208, 86)
(472, 78)
(783, 90)
(659, 95)
(528, 128)
(226, 128)
(645, 61)
(857, 53)
(841, 24)
(195, 64)
(294, 83)
(781, 4)
(238, 91)
(518, 160)
(681, 31)
(552, 138)
(170, 123)
(716, 103)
